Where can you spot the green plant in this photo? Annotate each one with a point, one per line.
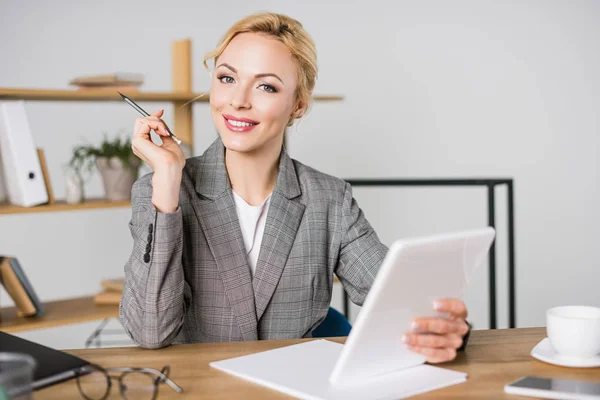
(85, 156)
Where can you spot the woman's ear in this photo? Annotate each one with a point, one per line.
(299, 110)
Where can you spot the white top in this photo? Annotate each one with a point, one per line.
(252, 221)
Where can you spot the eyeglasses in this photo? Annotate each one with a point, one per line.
(95, 382)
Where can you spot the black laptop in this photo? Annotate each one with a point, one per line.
(53, 366)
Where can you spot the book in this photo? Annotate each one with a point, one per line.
(111, 295)
(53, 365)
(107, 298)
(15, 290)
(15, 281)
(115, 285)
(120, 78)
(108, 88)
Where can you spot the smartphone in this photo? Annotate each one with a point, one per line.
(554, 388)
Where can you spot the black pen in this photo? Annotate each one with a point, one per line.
(145, 114)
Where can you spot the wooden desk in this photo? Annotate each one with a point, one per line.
(58, 313)
(493, 358)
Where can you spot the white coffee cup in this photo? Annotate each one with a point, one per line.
(574, 331)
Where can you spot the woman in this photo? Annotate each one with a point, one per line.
(242, 242)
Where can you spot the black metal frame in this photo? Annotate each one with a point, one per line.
(491, 202)
(95, 337)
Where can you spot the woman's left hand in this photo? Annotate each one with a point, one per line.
(439, 338)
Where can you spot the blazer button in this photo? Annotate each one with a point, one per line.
(150, 228)
(148, 248)
(146, 257)
(149, 238)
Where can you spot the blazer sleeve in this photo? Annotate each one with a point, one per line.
(155, 294)
(361, 251)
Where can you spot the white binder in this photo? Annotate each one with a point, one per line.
(23, 175)
(3, 194)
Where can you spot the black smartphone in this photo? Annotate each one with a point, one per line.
(554, 388)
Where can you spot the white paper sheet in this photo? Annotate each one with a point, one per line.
(303, 371)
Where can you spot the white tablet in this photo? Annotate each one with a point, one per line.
(414, 273)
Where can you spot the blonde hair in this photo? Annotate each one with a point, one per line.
(289, 32)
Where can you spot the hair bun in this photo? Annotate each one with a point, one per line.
(284, 28)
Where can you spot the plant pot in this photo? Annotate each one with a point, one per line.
(117, 179)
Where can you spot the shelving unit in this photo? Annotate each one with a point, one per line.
(182, 98)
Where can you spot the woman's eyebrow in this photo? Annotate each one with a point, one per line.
(256, 76)
(268, 74)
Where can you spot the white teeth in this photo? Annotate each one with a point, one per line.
(239, 123)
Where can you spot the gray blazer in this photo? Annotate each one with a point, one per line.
(188, 278)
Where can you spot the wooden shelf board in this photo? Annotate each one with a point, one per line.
(96, 95)
(62, 206)
(327, 98)
(110, 95)
(57, 313)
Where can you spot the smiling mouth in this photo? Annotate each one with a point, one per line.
(240, 122)
(235, 124)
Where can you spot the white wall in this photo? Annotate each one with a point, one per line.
(433, 89)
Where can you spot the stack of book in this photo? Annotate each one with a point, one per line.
(123, 81)
(111, 292)
(18, 287)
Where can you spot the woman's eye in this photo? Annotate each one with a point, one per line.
(268, 88)
(225, 79)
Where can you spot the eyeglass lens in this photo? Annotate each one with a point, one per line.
(94, 385)
(137, 386)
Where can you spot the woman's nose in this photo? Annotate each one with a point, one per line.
(240, 98)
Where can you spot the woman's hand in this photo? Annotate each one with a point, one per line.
(166, 157)
(439, 338)
(167, 161)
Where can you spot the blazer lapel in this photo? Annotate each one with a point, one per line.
(216, 212)
(283, 219)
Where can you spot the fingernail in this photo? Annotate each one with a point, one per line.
(405, 338)
(415, 326)
(437, 305)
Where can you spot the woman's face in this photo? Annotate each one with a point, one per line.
(253, 93)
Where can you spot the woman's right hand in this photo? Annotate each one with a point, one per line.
(169, 156)
(167, 161)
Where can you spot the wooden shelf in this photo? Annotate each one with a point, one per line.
(62, 206)
(110, 95)
(62, 312)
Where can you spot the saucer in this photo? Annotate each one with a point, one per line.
(544, 351)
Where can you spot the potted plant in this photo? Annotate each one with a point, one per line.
(115, 160)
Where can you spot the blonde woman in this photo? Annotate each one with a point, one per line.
(242, 242)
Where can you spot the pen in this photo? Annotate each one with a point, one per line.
(145, 114)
